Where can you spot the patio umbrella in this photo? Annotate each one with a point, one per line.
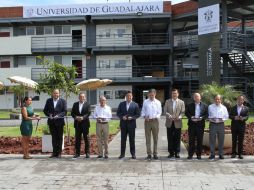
(90, 84)
(105, 82)
(1, 85)
(28, 83)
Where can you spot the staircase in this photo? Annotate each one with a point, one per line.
(241, 84)
(242, 62)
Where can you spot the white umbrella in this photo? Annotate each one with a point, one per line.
(93, 84)
(28, 83)
(90, 84)
(1, 85)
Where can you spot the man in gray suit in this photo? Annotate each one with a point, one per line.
(174, 110)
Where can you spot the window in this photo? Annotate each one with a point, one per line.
(66, 29)
(30, 60)
(120, 32)
(120, 64)
(21, 61)
(120, 94)
(58, 59)
(39, 61)
(22, 31)
(107, 93)
(57, 29)
(48, 30)
(30, 31)
(104, 64)
(107, 33)
(39, 30)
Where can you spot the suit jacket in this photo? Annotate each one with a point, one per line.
(190, 112)
(244, 113)
(85, 113)
(133, 112)
(178, 112)
(60, 110)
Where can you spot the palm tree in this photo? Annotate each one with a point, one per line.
(228, 93)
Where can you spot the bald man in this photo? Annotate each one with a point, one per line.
(56, 109)
(196, 112)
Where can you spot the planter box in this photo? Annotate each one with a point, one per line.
(227, 140)
(47, 143)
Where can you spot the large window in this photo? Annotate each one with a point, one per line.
(104, 64)
(30, 31)
(39, 30)
(120, 32)
(58, 59)
(66, 29)
(48, 29)
(120, 94)
(57, 29)
(120, 63)
(107, 93)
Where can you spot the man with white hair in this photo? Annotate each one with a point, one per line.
(196, 112)
(102, 114)
(218, 113)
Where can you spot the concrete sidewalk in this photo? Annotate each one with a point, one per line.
(66, 173)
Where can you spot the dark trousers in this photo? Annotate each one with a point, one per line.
(196, 133)
(127, 130)
(57, 138)
(79, 131)
(174, 139)
(237, 138)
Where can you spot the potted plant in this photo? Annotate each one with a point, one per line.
(47, 140)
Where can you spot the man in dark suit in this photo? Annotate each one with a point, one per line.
(80, 112)
(196, 113)
(128, 111)
(55, 109)
(239, 115)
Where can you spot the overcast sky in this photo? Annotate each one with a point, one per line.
(4, 3)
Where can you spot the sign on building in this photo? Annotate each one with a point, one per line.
(209, 19)
(93, 9)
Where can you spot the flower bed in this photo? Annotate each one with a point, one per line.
(12, 145)
(248, 145)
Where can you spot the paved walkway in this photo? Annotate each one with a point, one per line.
(66, 173)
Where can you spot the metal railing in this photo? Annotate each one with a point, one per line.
(158, 71)
(186, 41)
(62, 41)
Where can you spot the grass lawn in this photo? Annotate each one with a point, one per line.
(15, 131)
(6, 114)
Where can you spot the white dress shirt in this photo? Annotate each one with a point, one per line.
(81, 106)
(197, 110)
(55, 102)
(174, 104)
(239, 109)
(218, 112)
(151, 109)
(102, 112)
(127, 105)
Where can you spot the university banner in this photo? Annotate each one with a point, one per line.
(92, 9)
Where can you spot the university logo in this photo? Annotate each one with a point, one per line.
(29, 12)
(208, 16)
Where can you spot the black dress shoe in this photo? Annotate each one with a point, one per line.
(121, 156)
(240, 156)
(106, 156)
(211, 157)
(170, 155)
(155, 157)
(199, 157)
(177, 155)
(149, 157)
(52, 156)
(189, 157)
(221, 157)
(76, 156)
(87, 155)
(133, 156)
(233, 156)
(99, 156)
(59, 156)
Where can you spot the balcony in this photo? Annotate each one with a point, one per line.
(135, 42)
(124, 74)
(59, 43)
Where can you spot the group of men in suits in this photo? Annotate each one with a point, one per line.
(128, 111)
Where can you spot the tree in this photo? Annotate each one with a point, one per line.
(228, 93)
(19, 91)
(57, 76)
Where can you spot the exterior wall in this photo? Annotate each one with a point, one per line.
(110, 66)
(15, 45)
(7, 101)
(7, 58)
(7, 72)
(114, 35)
(114, 94)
